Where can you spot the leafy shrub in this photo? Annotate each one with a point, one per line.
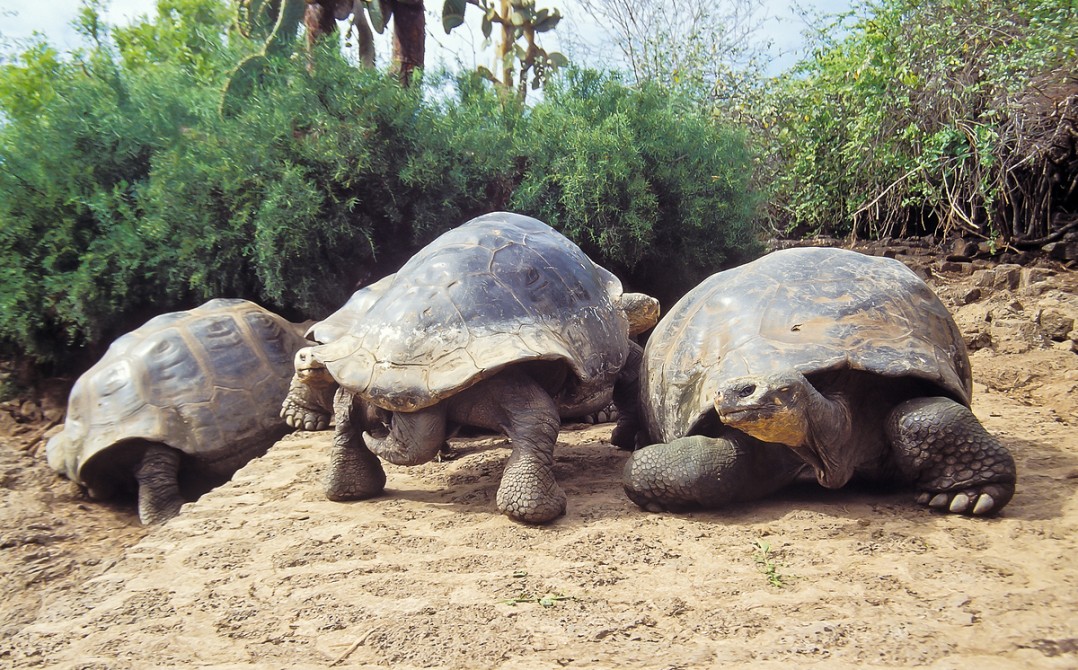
(914, 116)
(646, 183)
(124, 193)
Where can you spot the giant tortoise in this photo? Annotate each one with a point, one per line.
(815, 359)
(187, 398)
(501, 323)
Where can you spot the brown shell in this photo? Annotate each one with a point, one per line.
(813, 310)
(498, 290)
(207, 381)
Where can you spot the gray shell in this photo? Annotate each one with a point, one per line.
(207, 382)
(350, 315)
(498, 290)
(813, 310)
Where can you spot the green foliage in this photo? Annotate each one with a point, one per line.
(909, 120)
(278, 44)
(763, 557)
(326, 177)
(124, 194)
(75, 150)
(641, 178)
(188, 33)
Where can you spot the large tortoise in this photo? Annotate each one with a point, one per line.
(501, 323)
(815, 359)
(187, 398)
(309, 403)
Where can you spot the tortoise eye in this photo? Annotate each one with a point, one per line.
(746, 390)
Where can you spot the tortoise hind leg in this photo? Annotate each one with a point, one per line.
(159, 497)
(708, 472)
(958, 466)
(515, 404)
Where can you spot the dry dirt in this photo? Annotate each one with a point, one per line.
(264, 572)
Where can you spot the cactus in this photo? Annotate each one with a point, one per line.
(279, 41)
(255, 18)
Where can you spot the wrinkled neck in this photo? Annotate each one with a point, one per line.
(828, 437)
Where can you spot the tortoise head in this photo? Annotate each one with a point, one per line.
(785, 408)
(311, 371)
(640, 309)
(772, 408)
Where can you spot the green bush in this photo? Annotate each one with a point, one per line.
(327, 176)
(124, 193)
(647, 183)
(75, 152)
(914, 116)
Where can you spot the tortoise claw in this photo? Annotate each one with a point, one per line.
(972, 503)
(939, 500)
(959, 504)
(985, 504)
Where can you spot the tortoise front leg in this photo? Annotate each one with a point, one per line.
(309, 403)
(709, 472)
(354, 472)
(515, 404)
(627, 432)
(159, 497)
(941, 446)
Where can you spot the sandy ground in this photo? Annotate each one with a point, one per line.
(264, 572)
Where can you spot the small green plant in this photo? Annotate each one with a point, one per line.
(763, 558)
(547, 600)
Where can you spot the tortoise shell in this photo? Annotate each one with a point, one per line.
(350, 314)
(207, 382)
(499, 290)
(811, 309)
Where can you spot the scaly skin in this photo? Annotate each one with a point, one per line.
(354, 472)
(511, 403)
(935, 443)
(309, 403)
(710, 472)
(942, 447)
(626, 401)
(159, 497)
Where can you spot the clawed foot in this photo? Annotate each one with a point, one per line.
(976, 502)
(354, 474)
(303, 418)
(530, 495)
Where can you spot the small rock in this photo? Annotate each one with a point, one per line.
(1055, 324)
(1008, 276)
(962, 250)
(978, 340)
(956, 267)
(31, 411)
(968, 296)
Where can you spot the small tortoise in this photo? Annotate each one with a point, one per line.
(501, 323)
(814, 358)
(189, 397)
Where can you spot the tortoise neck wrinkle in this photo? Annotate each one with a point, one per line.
(830, 428)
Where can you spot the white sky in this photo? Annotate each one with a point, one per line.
(20, 18)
